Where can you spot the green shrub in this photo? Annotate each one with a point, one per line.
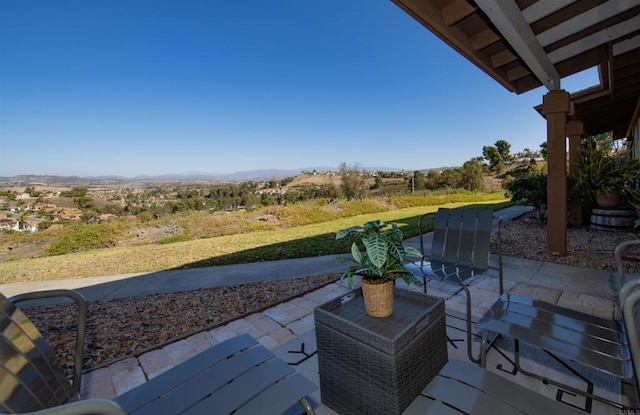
(82, 237)
(530, 190)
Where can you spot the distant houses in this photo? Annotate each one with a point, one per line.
(14, 224)
(30, 226)
(9, 223)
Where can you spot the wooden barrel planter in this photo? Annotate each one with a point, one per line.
(616, 219)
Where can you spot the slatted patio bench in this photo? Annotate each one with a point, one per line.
(562, 332)
(596, 342)
(464, 388)
(237, 376)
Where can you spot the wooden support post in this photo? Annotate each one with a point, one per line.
(555, 107)
(579, 213)
(575, 131)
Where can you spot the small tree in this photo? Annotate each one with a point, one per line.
(504, 149)
(492, 155)
(378, 182)
(543, 150)
(31, 191)
(353, 184)
(417, 181)
(84, 203)
(472, 176)
(450, 178)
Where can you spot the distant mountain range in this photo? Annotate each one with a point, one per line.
(263, 174)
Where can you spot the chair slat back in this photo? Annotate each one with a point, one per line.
(482, 247)
(439, 233)
(467, 237)
(454, 233)
(30, 377)
(462, 236)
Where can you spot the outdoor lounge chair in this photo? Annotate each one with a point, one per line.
(459, 251)
(236, 376)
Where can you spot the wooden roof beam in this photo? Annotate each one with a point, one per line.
(585, 20)
(543, 8)
(516, 73)
(508, 18)
(502, 58)
(484, 38)
(597, 39)
(456, 11)
(626, 45)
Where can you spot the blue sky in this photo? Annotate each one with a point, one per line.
(127, 88)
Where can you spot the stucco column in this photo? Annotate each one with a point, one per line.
(555, 107)
(578, 212)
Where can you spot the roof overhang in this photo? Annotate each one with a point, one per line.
(524, 44)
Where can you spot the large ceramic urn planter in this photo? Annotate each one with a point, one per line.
(378, 298)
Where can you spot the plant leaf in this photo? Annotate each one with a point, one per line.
(412, 252)
(396, 231)
(396, 250)
(355, 251)
(376, 250)
(372, 227)
(344, 232)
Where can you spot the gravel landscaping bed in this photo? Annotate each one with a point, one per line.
(527, 238)
(127, 326)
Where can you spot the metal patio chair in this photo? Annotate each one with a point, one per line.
(236, 376)
(464, 388)
(459, 251)
(630, 303)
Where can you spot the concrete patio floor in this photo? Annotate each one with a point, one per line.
(587, 290)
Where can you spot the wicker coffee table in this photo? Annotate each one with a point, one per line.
(378, 365)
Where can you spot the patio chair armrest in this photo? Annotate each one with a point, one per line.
(629, 299)
(421, 231)
(618, 257)
(499, 250)
(81, 327)
(85, 407)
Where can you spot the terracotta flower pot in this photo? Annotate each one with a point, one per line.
(378, 298)
(610, 200)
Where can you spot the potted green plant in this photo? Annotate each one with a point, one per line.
(606, 179)
(380, 264)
